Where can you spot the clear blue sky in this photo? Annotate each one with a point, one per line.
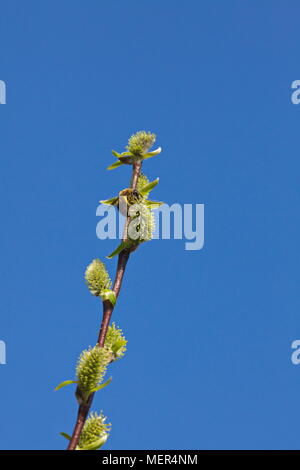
(210, 332)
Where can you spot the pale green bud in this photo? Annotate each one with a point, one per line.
(94, 433)
(115, 342)
(140, 143)
(97, 278)
(142, 181)
(142, 224)
(91, 369)
(137, 150)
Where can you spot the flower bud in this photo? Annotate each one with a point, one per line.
(140, 143)
(91, 369)
(142, 224)
(142, 181)
(115, 342)
(97, 278)
(95, 432)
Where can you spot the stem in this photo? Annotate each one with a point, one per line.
(108, 309)
(135, 174)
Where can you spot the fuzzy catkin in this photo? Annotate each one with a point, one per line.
(140, 143)
(97, 277)
(91, 368)
(94, 428)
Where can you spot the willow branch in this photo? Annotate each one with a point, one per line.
(108, 309)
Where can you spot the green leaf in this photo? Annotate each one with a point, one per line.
(109, 295)
(110, 202)
(118, 250)
(153, 204)
(152, 154)
(126, 154)
(114, 165)
(66, 382)
(146, 189)
(64, 434)
(96, 444)
(102, 385)
(121, 155)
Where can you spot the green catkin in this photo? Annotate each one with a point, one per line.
(142, 224)
(115, 342)
(93, 362)
(142, 181)
(94, 429)
(91, 369)
(140, 143)
(97, 277)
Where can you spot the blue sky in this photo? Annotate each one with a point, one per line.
(209, 332)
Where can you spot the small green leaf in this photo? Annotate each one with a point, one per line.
(116, 154)
(64, 434)
(66, 382)
(121, 155)
(152, 154)
(109, 295)
(153, 204)
(146, 189)
(118, 250)
(114, 165)
(110, 202)
(96, 444)
(126, 154)
(102, 385)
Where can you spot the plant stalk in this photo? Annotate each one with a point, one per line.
(108, 309)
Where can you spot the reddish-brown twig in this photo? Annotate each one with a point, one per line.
(108, 308)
